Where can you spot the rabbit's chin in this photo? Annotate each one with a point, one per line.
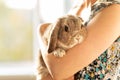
(71, 44)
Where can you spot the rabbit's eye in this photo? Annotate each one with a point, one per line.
(66, 28)
(82, 25)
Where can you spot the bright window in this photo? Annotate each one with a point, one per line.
(51, 9)
(16, 37)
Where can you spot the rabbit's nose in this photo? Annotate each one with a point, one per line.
(79, 38)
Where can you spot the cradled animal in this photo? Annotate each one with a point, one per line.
(60, 36)
(65, 33)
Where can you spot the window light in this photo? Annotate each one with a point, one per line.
(21, 4)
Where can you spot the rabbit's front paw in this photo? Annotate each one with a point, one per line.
(59, 52)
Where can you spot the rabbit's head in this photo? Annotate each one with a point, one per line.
(67, 32)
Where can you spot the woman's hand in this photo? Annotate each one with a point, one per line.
(78, 8)
(82, 9)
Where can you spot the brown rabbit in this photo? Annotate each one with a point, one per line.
(65, 33)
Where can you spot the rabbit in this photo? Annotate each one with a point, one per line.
(67, 32)
(60, 36)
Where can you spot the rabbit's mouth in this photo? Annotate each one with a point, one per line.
(78, 38)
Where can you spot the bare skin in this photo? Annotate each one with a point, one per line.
(98, 41)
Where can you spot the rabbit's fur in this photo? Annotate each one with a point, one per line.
(65, 33)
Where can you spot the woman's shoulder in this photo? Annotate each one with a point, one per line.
(102, 4)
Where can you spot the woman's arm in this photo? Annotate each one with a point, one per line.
(103, 30)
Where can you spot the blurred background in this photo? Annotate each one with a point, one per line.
(19, 20)
(19, 45)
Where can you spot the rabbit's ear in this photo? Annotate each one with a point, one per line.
(54, 37)
(44, 32)
(42, 28)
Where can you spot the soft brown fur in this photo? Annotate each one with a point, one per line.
(65, 33)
